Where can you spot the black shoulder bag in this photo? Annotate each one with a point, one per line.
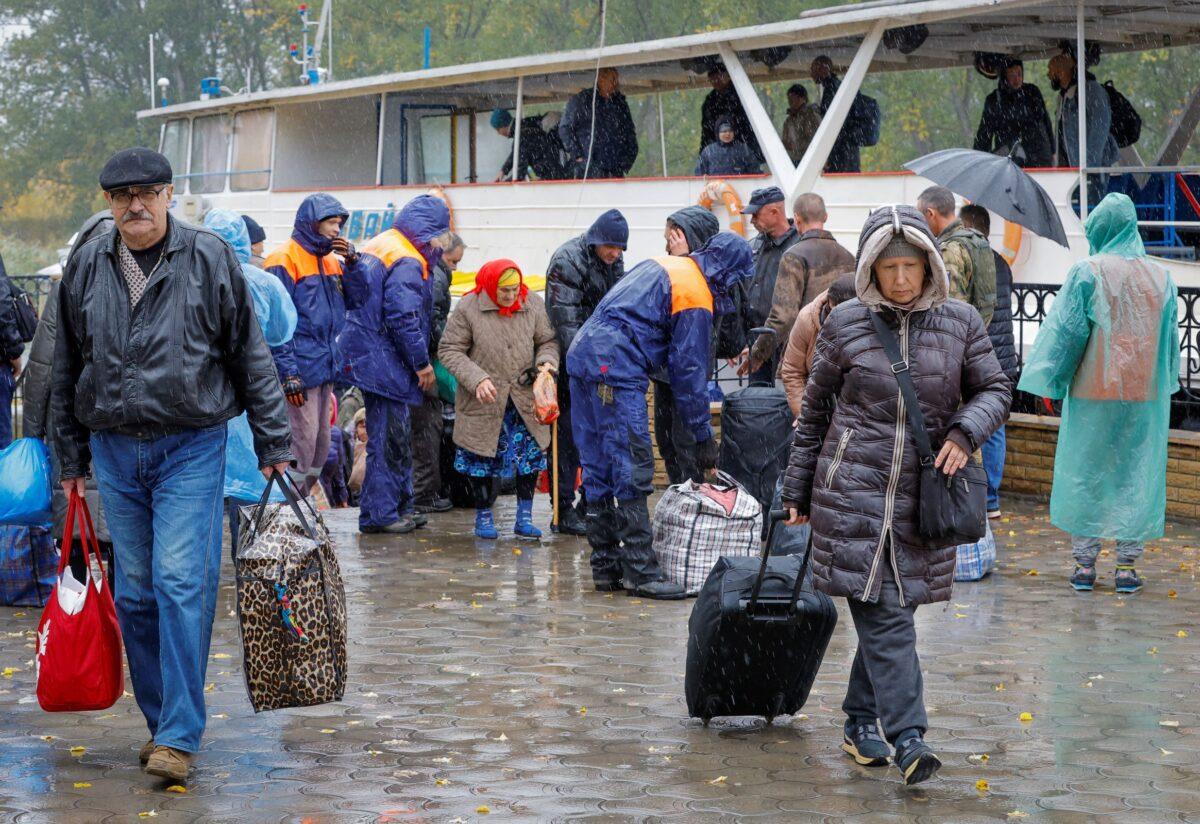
(951, 509)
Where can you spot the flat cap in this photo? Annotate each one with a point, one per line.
(138, 166)
(762, 197)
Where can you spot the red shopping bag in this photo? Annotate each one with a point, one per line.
(79, 642)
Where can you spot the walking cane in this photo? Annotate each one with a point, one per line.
(554, 472)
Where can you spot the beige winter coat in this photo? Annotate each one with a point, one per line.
(478, 343)
(798, 355)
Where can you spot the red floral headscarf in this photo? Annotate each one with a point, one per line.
(488, 281)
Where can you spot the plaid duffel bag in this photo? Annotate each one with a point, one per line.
(695, 524)
(974, 562)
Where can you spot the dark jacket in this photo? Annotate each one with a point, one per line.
(660, 317)
(313, 277)
(734, 158)
(807, 268)
(843, 157)
(192, 355)
(576, 282)
(722, 105)
(11, 345)
(441, 305)
(845, 469)
(768, 252)
(1000, 330)
(389, 295)
(1017, 114)
(540, 151)
(615, 146)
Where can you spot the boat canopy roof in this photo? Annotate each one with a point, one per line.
(957, 30)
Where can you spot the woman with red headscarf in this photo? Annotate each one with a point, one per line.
(496, 340)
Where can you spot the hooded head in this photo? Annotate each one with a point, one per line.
(313, 209)
(725, 261)
(1111, 228)
(610, 229)
(425, 221)
(697, 224)
(230, 226)
(899, 231)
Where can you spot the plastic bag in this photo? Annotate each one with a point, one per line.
(243, 480)
(545, 398)
(25, 483)
(79, 641)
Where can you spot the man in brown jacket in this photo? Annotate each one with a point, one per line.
(806, 270)
(802, 342)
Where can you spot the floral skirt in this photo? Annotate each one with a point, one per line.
(516, 450)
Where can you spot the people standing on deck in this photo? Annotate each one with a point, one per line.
(1101, 146)
(801, 122)
(807, 269)
(687, 229)
(728, 155)
(427, 418)
(844, 156)
(659, 316)
(776, 235)
(968, 257)
(157, 347)
(497, 341)
(309, 268)
(384, 351)
(1015, 111)
(863, 508)
(1109, 348)
(541, 150)
(608, 146)
(1000, 330)
(722, 105)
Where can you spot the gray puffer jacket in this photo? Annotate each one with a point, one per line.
(854, 464)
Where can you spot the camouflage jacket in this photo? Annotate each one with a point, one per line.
(971, 267)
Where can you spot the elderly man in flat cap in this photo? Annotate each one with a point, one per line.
(157, 347)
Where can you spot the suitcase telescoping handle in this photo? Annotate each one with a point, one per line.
(777, 516)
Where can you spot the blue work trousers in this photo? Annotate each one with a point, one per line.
(387, 490)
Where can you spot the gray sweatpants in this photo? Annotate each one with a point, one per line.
(885, 679)
(310, 435)
(1087, 550)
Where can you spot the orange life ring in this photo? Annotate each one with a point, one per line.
(440, 194)
(1012, 241)
(720, 190)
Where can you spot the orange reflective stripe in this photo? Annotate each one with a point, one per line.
(391, 246)
(689, 289)
(301, 263)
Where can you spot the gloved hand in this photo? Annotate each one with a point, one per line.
(293, 388)
(346, 249)
(706, 454)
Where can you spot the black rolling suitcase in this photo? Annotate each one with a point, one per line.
(756, 637)
(756, 435)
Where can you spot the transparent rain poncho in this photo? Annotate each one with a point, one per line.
(277, 317)
(1109, 347)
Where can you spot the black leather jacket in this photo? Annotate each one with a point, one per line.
(191, 355)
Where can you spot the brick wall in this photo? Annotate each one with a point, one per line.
(1029, 468)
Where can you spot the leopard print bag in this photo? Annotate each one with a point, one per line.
(291, 605)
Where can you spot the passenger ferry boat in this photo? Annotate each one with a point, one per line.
(397, 135)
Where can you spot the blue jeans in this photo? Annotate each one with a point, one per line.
(7, 387)
(162, 498)
(993, 465)
(787, 540)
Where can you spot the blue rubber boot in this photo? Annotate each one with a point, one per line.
(524, 527)
(485, 527)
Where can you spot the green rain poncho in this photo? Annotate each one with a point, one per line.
(1109, 346)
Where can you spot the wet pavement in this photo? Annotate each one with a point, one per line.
(488, 682)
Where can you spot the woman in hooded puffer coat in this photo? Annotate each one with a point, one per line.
(854, 470)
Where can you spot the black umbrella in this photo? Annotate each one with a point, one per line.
(995, 183)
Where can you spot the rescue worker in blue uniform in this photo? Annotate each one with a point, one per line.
(384, 351)
(659, 316)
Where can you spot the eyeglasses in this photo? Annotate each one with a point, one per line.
(122, 198)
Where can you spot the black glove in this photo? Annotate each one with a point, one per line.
(293, 389)
(706, 454)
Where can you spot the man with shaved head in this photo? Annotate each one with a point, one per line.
(969, 261)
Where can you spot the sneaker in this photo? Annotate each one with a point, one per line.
(146, 750)
(865, 745)
(1127, 579)
(400, 527)
(658, 591)
(167, 762)
(916, 760)
(419, 520)
(570, 522)
(441, 504)
(1084, 579)
(993, 514)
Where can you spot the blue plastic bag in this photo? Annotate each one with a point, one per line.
(243, 481)
(25, 483)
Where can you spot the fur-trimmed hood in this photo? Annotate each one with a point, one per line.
(878, 230)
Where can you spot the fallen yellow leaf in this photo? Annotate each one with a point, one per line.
(210, 687)
(981, 785)
(82, 785)
(999, 687)
(47, 737)
(78, 750)
(720, 779)
(1032, 572)
(1171, 724)
(177, 788)
(442, 782)
(1172, 593)
(1152, 651)
(148, 814)
(1026, 716)
(1181, 634)
(327, 731)
(1018, 814)
(583, 710)
(220, 656)
(475, 605)
(1165, 751)
(516, 551)
(483, 809)
(982, 758)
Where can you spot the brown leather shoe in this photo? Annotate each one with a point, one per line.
(145, 751)
(166, 762)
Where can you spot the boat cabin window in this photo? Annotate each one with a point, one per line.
(210, 154)
(424, 143)
(327, 144)
(253, 132)
(175, 136)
